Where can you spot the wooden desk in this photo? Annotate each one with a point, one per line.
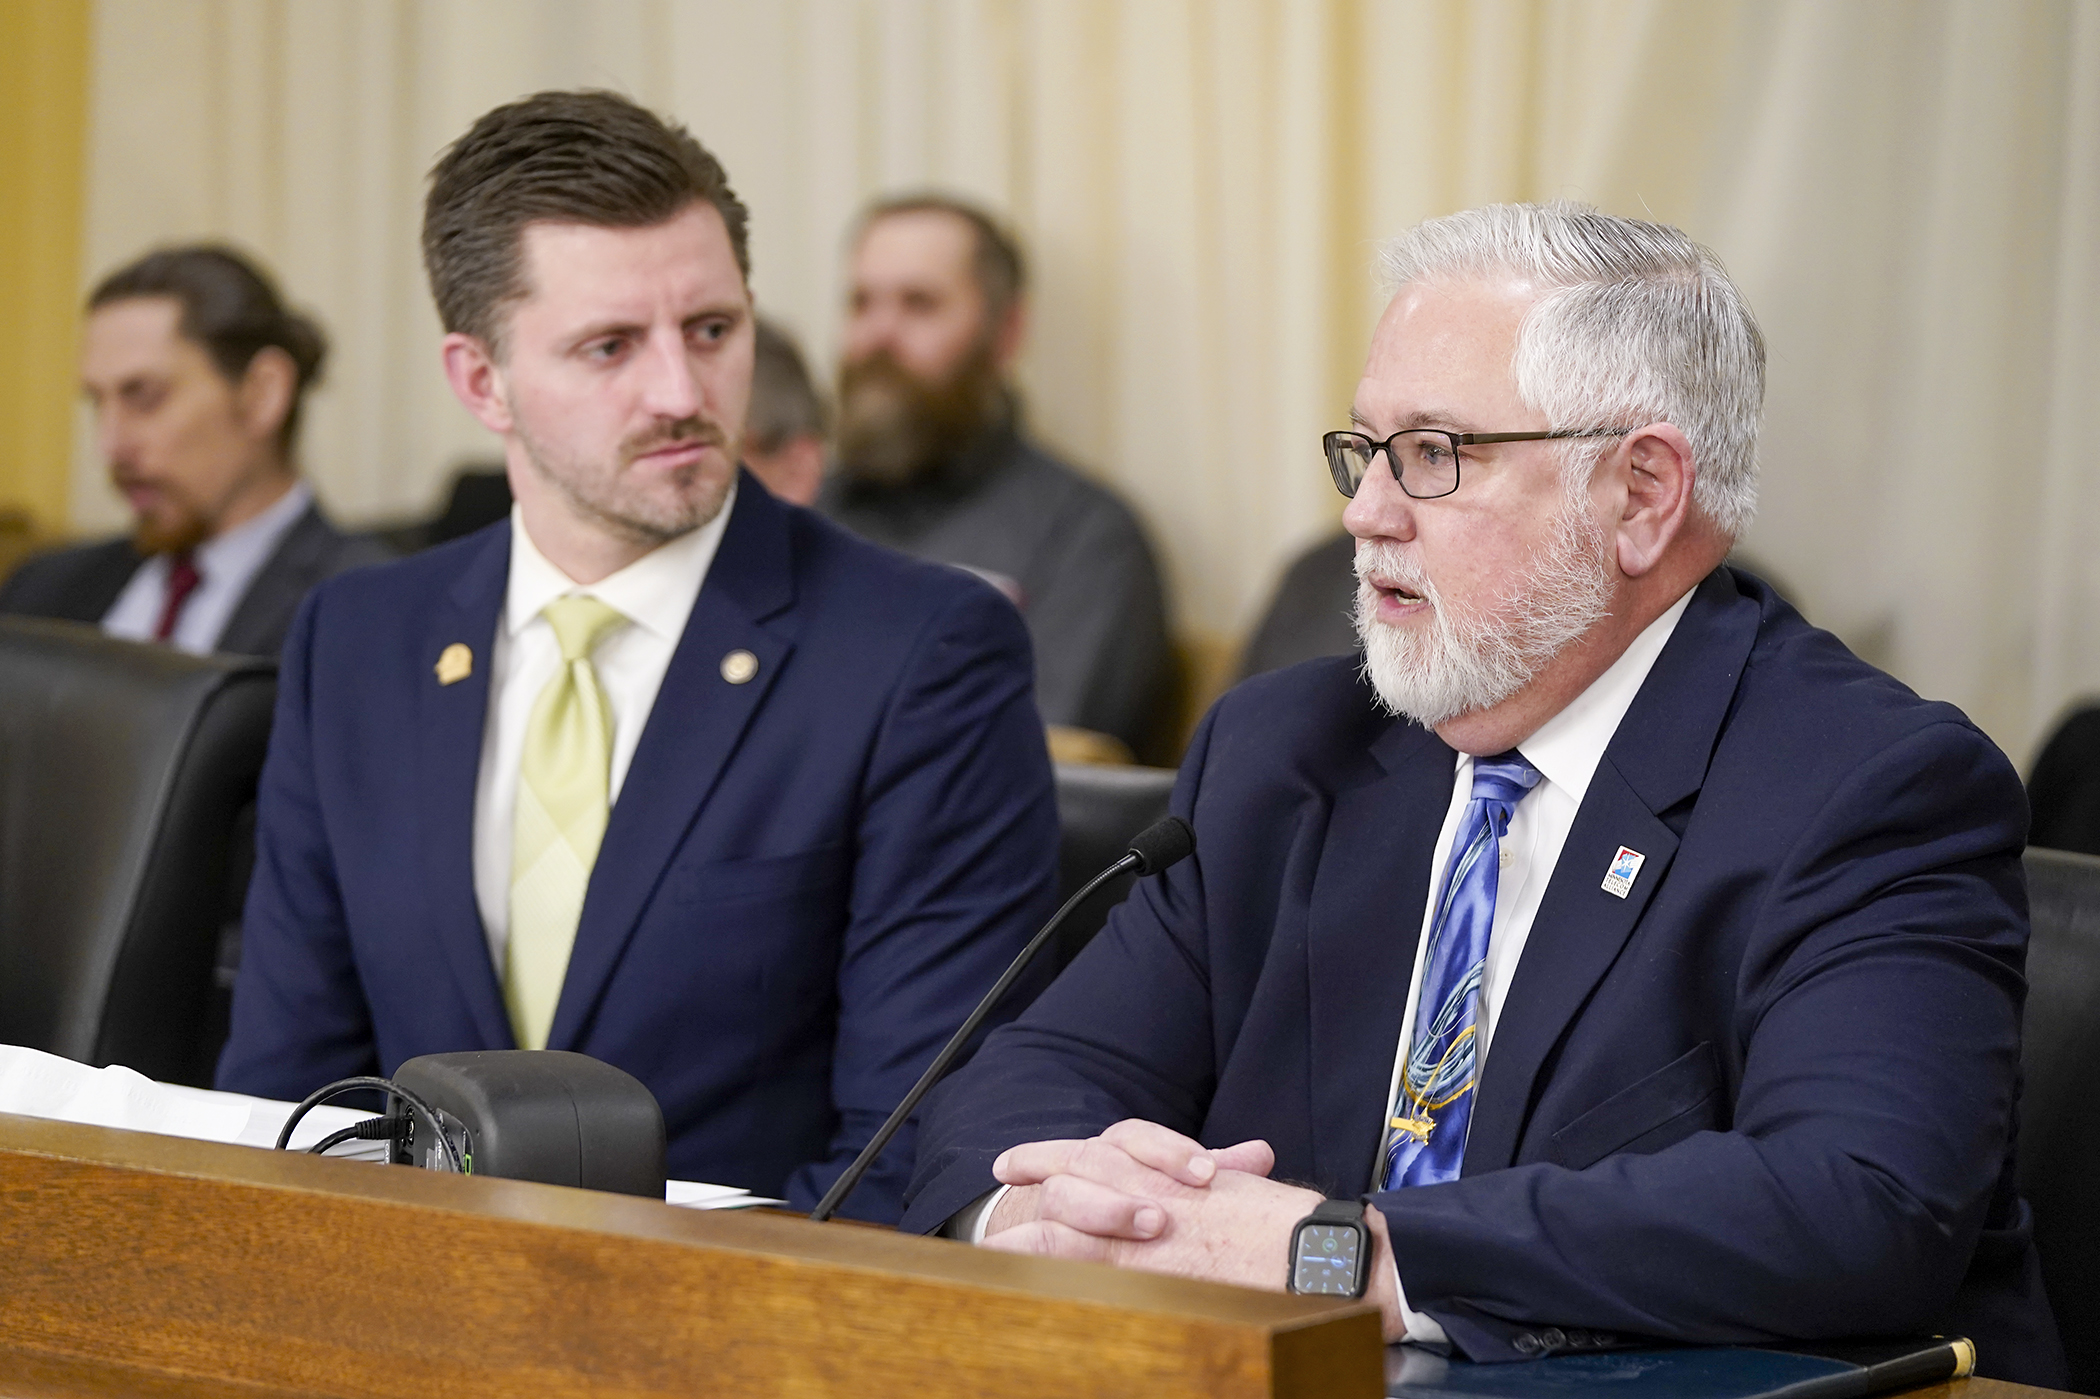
(168, 1269)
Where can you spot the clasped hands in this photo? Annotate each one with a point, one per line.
(1144, 1196)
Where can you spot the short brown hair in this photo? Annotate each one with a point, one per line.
(230, 310)
(561, 157)
(995, 262)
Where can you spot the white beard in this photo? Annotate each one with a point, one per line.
(1464, 661)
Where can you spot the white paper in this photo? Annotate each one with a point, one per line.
(36, 1084)
(694, 1195)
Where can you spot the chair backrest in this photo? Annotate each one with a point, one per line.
(125, 771)
(2063, 791)
(1098, 810)
(2059, 1147)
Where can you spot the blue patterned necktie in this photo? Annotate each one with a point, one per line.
(1434, 1104)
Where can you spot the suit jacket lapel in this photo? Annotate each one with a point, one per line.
(1365, 920)
(1656, 760)
(278, 587)
(692, 729)
(106, 581)
(450, 720)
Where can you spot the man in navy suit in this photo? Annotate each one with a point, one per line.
(660, 770)
(1649, 965)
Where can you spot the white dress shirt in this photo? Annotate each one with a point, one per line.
(656, 593)
(1566, 750)
(226, 564)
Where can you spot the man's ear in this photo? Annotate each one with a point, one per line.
(266, 392)
(477, 381)
(1654, 471)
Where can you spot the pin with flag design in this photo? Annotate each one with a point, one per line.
(1625, 868)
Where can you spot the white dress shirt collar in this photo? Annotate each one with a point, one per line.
(656, 592)
(1567, 748)
(242, 551)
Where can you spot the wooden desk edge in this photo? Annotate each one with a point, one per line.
(129, 1208)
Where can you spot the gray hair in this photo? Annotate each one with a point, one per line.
(1635, 323)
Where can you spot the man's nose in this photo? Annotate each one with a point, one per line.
(1380, 509)
(112, 439)
(671, 387)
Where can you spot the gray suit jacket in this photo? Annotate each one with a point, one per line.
(82, 583)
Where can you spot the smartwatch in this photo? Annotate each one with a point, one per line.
(1331, 1251)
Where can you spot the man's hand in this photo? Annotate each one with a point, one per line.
(1143, 1196)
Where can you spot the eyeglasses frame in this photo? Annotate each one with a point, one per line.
(1456, 439)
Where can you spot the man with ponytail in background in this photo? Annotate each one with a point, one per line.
(196, 373)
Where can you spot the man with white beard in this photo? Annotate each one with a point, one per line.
(1613, 957)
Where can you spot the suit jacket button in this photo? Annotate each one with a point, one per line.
(1528, 1344)
(1553, 1338)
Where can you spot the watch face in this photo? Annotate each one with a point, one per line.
(1326, 1260)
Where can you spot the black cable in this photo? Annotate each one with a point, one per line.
(372, 1129)
(850, 1177)
(384, 1085)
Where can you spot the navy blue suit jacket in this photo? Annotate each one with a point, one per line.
(1768, 1094)
(805, 883)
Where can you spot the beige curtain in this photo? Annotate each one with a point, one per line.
(1908, 189)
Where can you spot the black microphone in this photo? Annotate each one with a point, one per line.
(1167, 841)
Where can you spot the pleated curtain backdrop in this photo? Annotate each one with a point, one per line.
(1909, 190)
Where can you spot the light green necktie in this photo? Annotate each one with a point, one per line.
(563, 780)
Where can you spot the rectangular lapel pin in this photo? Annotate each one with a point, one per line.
(1625, 868)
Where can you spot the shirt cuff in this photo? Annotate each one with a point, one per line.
(967, 1223)
(1422, 1329)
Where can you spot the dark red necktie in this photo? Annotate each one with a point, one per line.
(183, 579)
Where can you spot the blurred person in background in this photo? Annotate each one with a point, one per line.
(784, 431)
(196, 373)
(933, 460)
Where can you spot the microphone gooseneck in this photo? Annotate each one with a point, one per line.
(1165, 842)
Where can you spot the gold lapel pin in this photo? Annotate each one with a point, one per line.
(455, 663)
(739, 666)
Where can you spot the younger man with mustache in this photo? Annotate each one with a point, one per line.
(661, 769)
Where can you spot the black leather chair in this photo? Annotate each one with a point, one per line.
(2063, 791)
(1099, 808)
(127, 774)
(2059, 1149)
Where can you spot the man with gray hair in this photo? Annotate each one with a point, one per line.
(1612, 955)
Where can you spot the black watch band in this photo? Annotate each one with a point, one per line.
(1337, 1212)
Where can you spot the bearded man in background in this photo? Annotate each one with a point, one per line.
(933, 461)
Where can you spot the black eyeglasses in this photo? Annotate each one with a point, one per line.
(1424, 460)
